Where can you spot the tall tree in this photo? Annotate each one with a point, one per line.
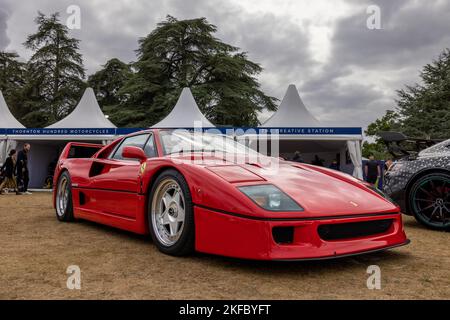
(423, 110)
(108, 81)
(185, 53)
(55, 71)
(12, 80)
(11, 72)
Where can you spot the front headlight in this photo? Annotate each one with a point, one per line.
(269, 197)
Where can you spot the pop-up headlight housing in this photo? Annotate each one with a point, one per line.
(269, 197)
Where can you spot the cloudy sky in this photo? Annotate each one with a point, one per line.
(346, 73)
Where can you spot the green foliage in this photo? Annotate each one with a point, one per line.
(55, 72)
(185, 53)
(423, 110)
(12, 80)
(108, 81)
(388, 122)
(377, 149)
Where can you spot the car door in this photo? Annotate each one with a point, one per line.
(116, 180)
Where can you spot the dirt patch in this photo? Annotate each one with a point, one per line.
(36, 249)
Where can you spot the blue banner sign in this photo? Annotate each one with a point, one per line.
(62, 131)
(223, 130)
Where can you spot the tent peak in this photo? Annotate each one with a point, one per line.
(86, 114)
(292, 112)
(185, 114)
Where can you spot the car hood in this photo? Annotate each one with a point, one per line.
(320, 191)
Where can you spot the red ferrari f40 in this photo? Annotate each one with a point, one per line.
(213, 195)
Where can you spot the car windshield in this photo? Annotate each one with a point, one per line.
(177, 141)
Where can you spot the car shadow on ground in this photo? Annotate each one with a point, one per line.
(342, 264)
(306, 266)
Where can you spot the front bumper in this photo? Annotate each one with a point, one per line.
(249, 238)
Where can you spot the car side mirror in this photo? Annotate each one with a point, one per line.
(134, 153)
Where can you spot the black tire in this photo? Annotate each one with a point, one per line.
(186, 241)
(65, 214)
(428, 200)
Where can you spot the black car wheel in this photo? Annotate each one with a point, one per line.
(170, 214)
(429, 200)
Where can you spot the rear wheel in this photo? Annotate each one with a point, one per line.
(171, 219)
(429, 200)
(64, 205)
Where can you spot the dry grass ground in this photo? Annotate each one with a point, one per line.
(35, 250)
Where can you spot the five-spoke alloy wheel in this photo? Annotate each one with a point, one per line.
(171, 221)
(63, 201)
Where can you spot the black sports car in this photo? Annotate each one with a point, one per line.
(420, 184)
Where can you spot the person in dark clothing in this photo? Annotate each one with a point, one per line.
(9, 168)
(23, 174)
(334, 165)
(317, 161)
(297, 157)
(372, 170)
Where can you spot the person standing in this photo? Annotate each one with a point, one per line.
(317, 161)
(334, 165)
(372, 170)
(9, 167)
(23, 174)
(297, 157)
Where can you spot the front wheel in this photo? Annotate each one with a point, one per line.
(170, 214)
(64, 204)
(429, 200)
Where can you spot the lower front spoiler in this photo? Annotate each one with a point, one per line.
(248, 238)
(407, 241)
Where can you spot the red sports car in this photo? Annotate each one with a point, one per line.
(210, 194)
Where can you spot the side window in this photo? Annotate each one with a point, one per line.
(150, 149)
(134, 141)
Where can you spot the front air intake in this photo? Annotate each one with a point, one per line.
(283, 235)
(339, 231)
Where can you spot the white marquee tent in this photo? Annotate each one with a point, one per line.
(185, 114)
(87, 114)
(291, 112)
(7, 120)
(301, 131)
(86, 123)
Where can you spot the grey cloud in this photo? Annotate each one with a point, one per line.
(279, 45)
(413, 34)
(4, 40)
(408, 32)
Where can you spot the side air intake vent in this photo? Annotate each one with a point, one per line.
(82, 198)
(283, 235)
